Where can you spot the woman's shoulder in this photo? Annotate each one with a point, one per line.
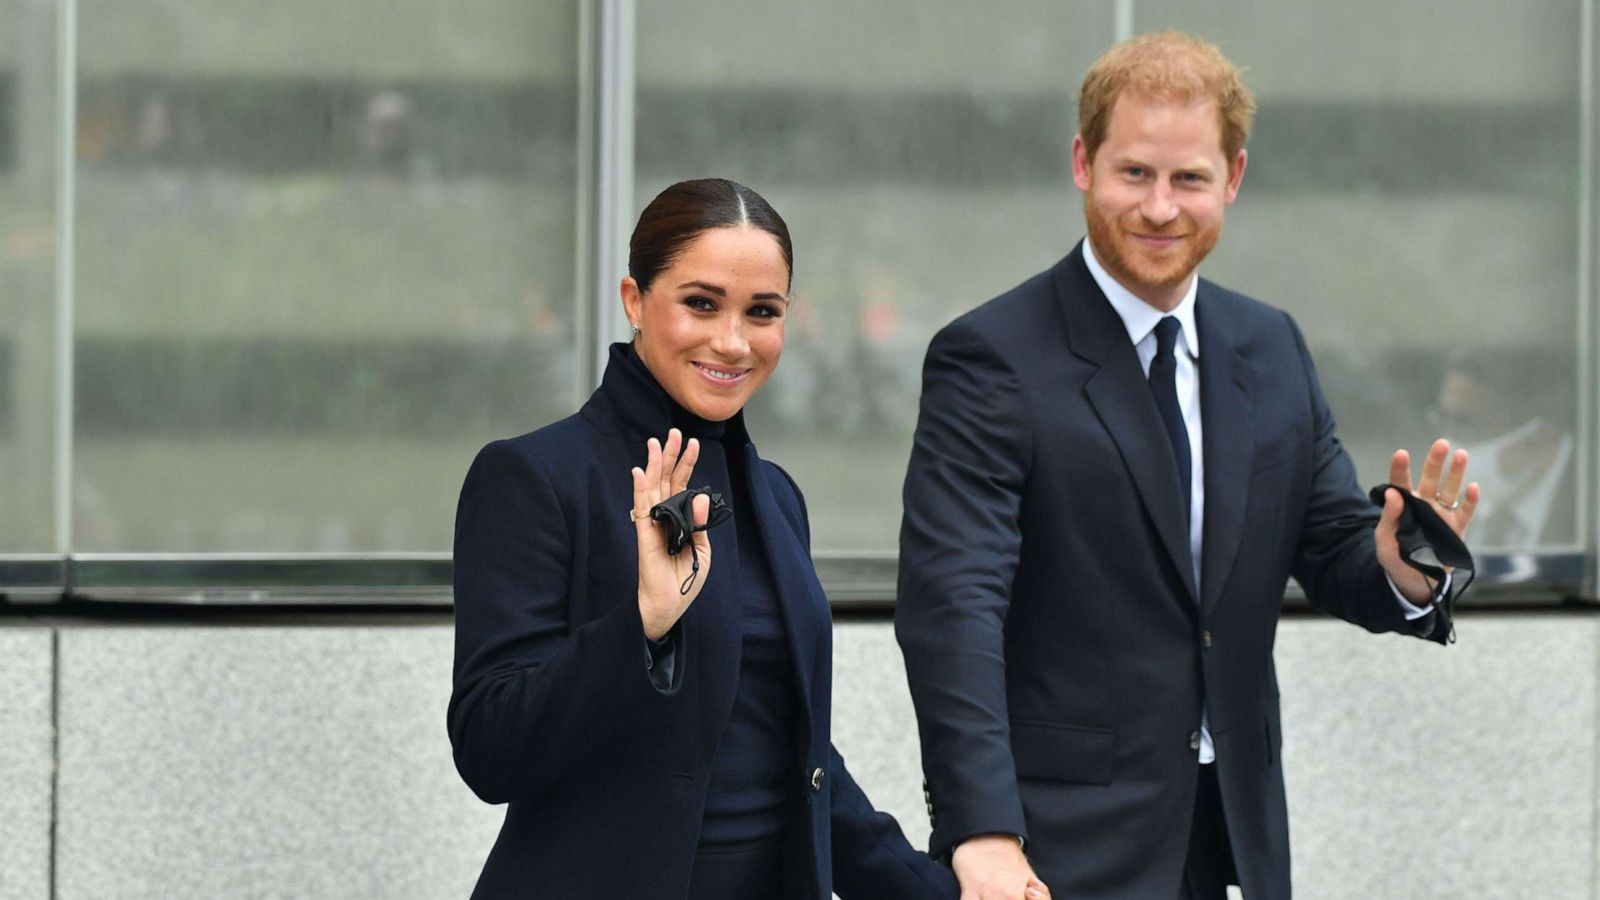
(558, 449)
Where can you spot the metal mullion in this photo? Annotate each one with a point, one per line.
(65, 285)
(1588, 299)
(613, 109)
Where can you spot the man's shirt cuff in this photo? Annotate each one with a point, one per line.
(1414, 612)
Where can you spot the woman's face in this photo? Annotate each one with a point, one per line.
(711, 325)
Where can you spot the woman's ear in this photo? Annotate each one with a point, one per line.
(632, 301)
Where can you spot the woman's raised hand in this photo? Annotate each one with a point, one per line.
(661, 577)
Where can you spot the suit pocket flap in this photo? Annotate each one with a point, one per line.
(1063, 752)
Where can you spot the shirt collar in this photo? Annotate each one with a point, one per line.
(1139, 317)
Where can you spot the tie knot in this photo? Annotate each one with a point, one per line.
(1166, 335)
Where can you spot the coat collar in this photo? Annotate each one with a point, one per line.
(631, 404)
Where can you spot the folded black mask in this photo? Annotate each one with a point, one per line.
(1428, 543)
(676, 515)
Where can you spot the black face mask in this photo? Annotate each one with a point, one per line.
(1428, 543)
(676, 515)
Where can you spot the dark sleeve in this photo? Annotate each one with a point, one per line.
(533, 697)
(1336, 561)
(871, 857)
(959, 544)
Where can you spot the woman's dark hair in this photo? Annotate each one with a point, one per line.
(680, 213)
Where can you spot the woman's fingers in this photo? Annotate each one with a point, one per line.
(685, 469)
(669, 460)
(652, 471)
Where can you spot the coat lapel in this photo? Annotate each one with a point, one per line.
(1121, 398)
(794, 578)
(1228, 444)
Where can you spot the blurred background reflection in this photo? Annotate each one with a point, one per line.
(323, 252)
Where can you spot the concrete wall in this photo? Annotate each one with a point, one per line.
(311, 761)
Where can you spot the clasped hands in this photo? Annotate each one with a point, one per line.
(1440, 488)
(993, 867)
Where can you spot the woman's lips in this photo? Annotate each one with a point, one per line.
(721, 377)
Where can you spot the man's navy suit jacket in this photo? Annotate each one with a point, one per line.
(1058, 652)
(554, 711)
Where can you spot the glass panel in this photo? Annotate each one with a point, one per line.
(1412, 198)
(325, 251)
(27, 275)
(920, 156)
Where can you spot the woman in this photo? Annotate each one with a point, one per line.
(658, 723)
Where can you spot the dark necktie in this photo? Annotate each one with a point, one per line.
(1164, 385)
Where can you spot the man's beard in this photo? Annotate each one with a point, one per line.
(1115, 251)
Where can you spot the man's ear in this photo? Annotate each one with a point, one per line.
(1236, 176)
(1081, 163)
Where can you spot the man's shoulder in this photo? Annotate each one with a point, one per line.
(1235, 304)
(1247, 318)
(1021, 310)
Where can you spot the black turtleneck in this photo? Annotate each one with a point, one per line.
(755, 758)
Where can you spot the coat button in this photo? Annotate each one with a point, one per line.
(816, 780)
(1194, 741)
(1205, 639)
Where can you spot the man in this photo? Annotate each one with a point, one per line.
(1117, 468)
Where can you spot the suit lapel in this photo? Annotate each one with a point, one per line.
(1228, 443)
(1121, 398)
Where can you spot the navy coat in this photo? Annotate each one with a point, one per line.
(1058, 650)
(553, 710)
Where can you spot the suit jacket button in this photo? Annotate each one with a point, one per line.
(1205, 639)
(1194, 741)
(816, 780)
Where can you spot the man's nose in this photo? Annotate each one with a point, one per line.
(1159, 206)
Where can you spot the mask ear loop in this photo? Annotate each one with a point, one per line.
(694, 570)
(678, 516)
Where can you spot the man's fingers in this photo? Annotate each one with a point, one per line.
(1469, 505)
(1432, 469)
(1389, 522)
(1400, 468)
(1450, 490)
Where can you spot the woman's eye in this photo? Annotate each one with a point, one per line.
(766, 311)
(699, 303)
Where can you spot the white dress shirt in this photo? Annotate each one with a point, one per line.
(1140, 319)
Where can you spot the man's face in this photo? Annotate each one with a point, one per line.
(1154, 194)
